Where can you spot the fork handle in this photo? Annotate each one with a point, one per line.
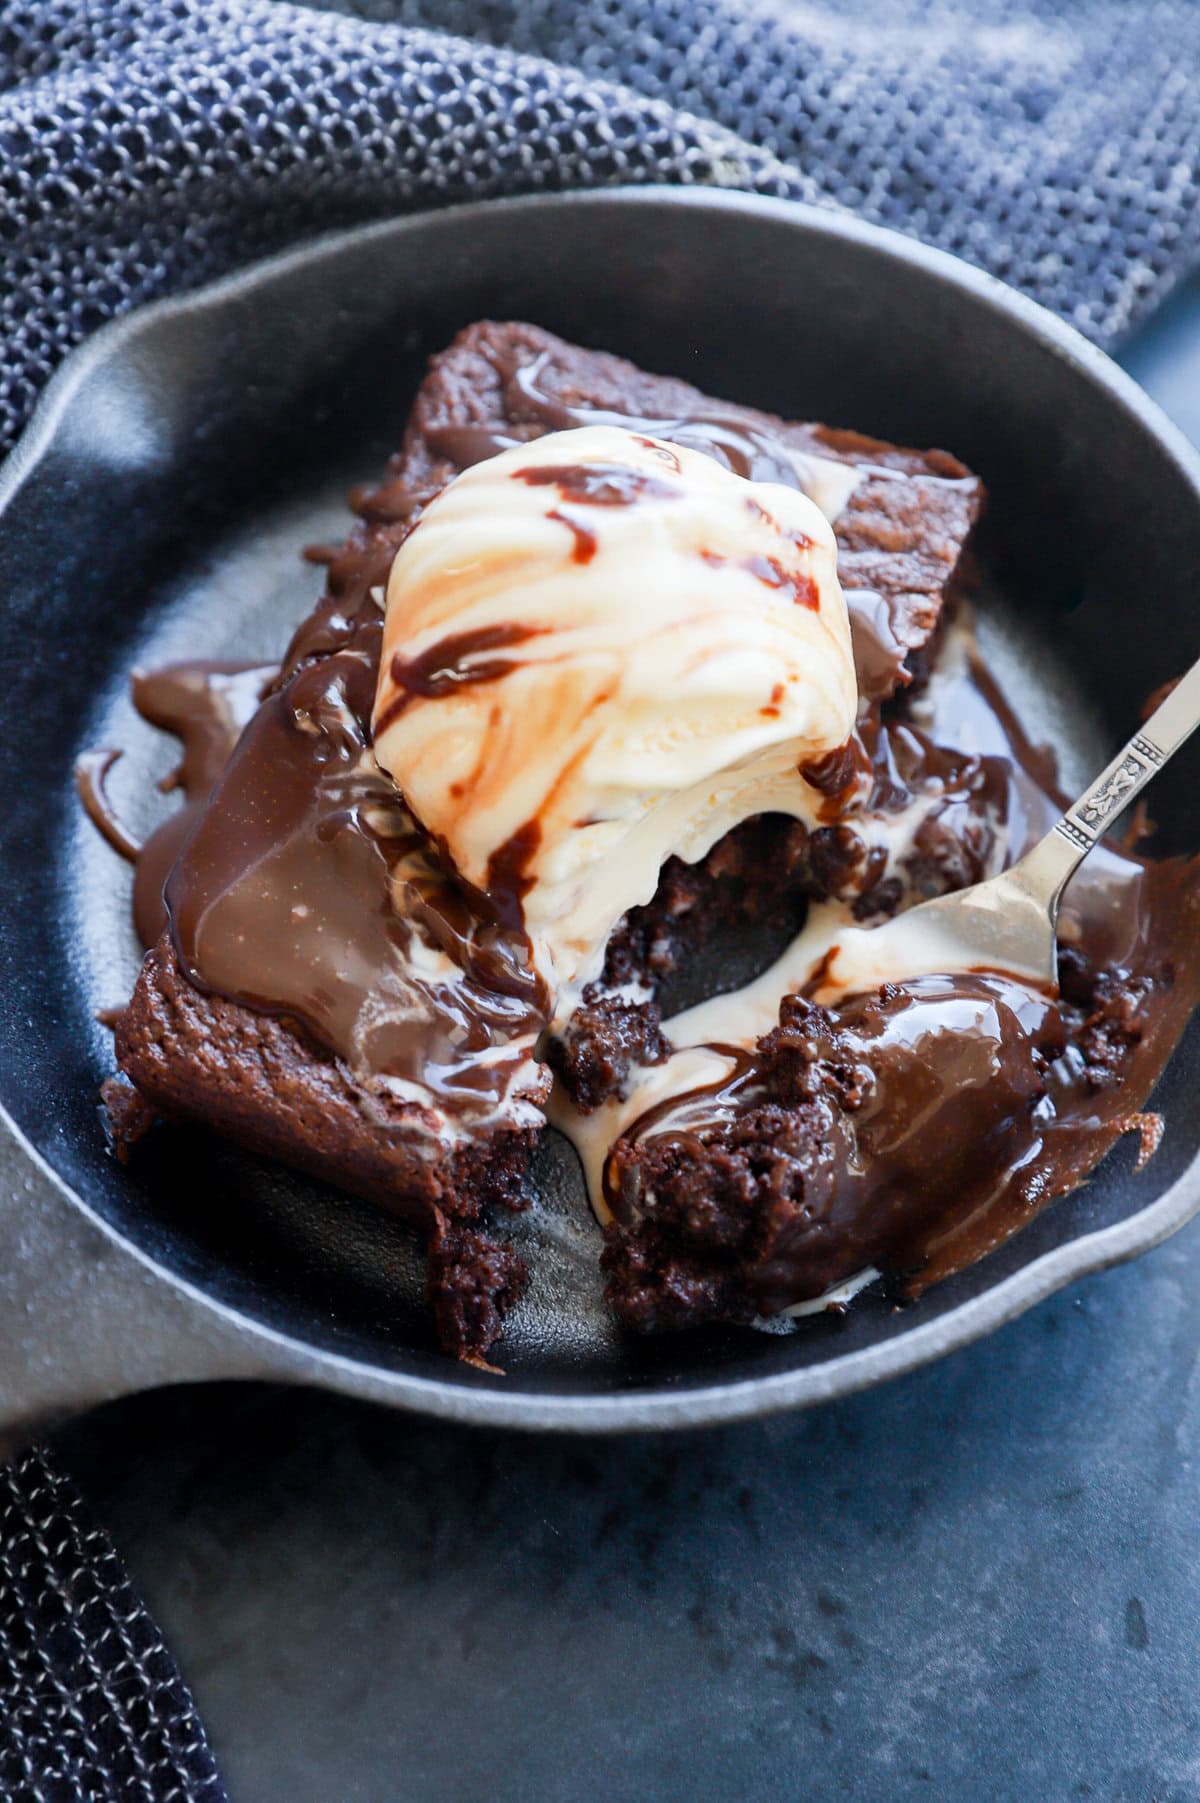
(1085, 822)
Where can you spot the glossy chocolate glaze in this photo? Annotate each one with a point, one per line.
(308, 890)
(879, 656)
(904, 1099)
(91, 771)
(205, 703)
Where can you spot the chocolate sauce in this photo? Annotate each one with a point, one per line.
(832, 774)
(796, 585)
(90, 772)
(914, 1099)
(508, 879)
(940, 1114)
(879, 655)
(1000, 793)
(746, 449)
(205, 703)
(585, 538)
(598, 484)
(677, 1119)
(772, 709)
(593, 485)
(615, 485)
(454, 662)
(308, 890)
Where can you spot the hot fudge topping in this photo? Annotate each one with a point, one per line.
(91, 777)
(205, 703)
(372, 957)
(308, 890)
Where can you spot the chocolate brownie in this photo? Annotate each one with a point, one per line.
(858, 1140)
(269, 1083)
(901, 532)
(254, 1056)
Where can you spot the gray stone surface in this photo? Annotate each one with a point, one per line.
(982, 1582)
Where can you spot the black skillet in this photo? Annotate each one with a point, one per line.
(155, 509)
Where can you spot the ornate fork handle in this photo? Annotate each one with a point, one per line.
(1071, 838)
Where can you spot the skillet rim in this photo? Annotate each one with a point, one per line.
(262, 1351)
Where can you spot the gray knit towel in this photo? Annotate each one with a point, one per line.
(147, 145)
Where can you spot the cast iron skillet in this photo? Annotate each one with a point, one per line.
(155, 509)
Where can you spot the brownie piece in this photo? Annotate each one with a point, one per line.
(265, 1080)
(900, 536)
(901, 541)
(266, 1083)
(845, 1141)
(269, 1086)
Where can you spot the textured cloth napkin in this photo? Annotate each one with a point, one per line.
(148, 145)
(91, 1704)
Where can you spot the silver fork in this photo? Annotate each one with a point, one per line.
(1009, 922)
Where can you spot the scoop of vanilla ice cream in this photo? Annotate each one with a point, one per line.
(601, 649)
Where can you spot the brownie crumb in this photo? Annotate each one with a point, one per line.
(472, 1283)
(607, 1036)
(128, 1116)
(805, 1057)
(1114, 1025)
(1110, 1006)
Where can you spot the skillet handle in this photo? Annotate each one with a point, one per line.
(83, 1319)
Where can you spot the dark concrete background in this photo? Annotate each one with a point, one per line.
(982, 1582)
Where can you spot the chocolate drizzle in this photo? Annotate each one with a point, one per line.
(455, 662)
(879, 656)
(308, 890)
(585, 538)
(593, 485)
(206, 703)
(796, 585)
(913, 1130)
(598, 484)
(746, 449)
(90, 772)
(508, 881)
